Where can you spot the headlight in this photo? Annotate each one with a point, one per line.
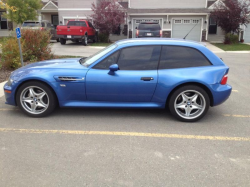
(10, 81)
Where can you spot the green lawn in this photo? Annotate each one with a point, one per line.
(100, 44)
(233, 47)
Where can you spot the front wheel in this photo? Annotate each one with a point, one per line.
(189, 103)
(36, 99)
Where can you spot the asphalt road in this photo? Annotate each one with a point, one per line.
(109, 147)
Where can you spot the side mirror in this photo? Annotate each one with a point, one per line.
(136, 28)
(113, 68)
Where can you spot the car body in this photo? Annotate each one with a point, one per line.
(76, 30)
(148, 30)
(133, 73)
(41, 25)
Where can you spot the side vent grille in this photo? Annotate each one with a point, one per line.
(71, 78)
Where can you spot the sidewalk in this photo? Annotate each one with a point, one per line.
(213, 48)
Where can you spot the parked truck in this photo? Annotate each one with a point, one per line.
(77, 31)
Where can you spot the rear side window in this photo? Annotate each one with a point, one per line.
(77, 23)
(150, 27)
(139, 58)
(181, 57)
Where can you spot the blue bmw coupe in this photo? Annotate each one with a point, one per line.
(183, 76)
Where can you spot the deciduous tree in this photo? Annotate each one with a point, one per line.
(107, 16)
(231, 14)
(24, 10)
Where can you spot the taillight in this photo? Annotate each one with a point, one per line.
(160, 33)
(41, 28)
(80, 30)
(224, 80)
(137, 32)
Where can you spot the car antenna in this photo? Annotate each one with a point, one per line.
(190, 30)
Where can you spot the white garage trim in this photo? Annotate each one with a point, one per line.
(145, 18)
(201, 19)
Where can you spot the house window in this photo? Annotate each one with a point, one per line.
(196, 21)
(186, 21)
(212, 26)
(177, 21)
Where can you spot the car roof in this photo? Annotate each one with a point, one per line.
(159, 41)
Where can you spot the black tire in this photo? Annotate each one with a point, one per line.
(50, 96)
(175, 96)
(62, 41)
(94, 39)
(85, 40)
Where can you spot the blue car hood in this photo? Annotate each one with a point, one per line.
(68, 63)
(49, 67)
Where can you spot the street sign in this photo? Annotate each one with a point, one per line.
(18, 33)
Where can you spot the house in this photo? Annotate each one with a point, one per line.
(49, 12)
(179, 18)
(59, 12)
(176, 18)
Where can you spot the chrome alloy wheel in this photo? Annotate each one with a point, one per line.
(190, 104)
(34, 100)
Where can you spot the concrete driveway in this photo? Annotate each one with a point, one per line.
(112, 147)
(73, 49)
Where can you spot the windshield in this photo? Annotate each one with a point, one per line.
(91, 59)
(151, 27)
(31, 24)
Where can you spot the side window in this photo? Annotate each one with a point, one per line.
(111, 59)
(139, 58)
(181, 57)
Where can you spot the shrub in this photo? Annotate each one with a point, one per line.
(35, 47)
(104, 38)
(10, 54)
(231, 39)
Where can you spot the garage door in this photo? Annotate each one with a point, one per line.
(181, 27)
(247, 34)
(136, 23)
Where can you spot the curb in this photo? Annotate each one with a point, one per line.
(1, 88)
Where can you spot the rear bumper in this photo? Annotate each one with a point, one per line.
(72, 37)
(221, 93)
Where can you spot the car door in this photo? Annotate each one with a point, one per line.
(135, 81)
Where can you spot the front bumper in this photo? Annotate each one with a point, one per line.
(9, 95)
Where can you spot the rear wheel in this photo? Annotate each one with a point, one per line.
(36, 99)
(62, 41)
(189, 103)
(85, 40)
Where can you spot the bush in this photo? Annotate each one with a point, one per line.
(35, 47)
(231, 39)
(104, 38)
(10, 54)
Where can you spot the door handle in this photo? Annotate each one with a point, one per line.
(147, 78)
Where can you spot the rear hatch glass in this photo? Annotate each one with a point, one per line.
(31, 24)
(77, 23)
(149, 27)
